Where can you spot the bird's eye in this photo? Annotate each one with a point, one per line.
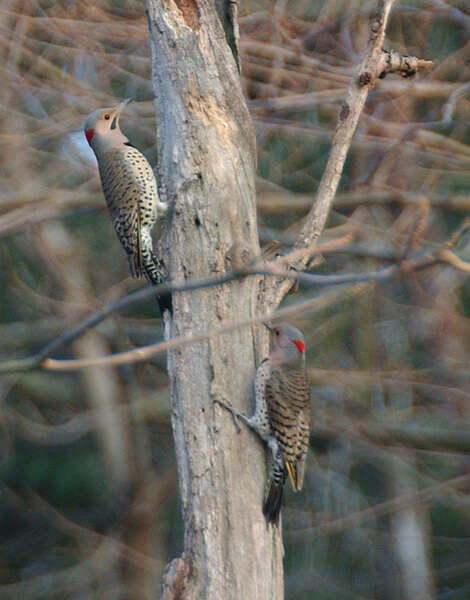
(277, 332)
(107, 117)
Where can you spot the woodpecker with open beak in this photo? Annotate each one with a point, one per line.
(130, 190)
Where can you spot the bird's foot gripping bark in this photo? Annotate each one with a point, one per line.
(236, 416)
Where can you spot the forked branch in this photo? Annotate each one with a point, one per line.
(376, 63)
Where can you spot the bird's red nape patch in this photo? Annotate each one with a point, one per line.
(300, 346)
(89, 134)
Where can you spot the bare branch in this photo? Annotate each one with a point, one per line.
(450, 258)
(419, 438)
(374, 63)
(449, 106)
(94, 319)
(419, 262)
(406, 66)
(383, 508)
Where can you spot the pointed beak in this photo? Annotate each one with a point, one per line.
(268, 326)
(119, 108)
(121, 105)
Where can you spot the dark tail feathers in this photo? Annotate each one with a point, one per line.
(273, 498)
(152, 275)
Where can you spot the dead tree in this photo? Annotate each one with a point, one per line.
(206, 170)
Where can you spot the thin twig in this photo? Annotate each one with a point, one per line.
(450, 258)
(146, 352)
(25, 364)
(384, 508)
(42, 360)
(374, 63)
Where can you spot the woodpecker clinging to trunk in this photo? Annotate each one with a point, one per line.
(282, 413)
(130, 191)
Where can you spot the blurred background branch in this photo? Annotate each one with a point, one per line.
(388, 362)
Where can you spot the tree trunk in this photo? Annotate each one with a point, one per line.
(206, 170)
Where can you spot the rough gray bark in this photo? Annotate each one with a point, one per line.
(206, 149)
(207, 154)
(228, 16)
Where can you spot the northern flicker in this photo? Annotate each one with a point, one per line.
(282, 413)
(130, 191)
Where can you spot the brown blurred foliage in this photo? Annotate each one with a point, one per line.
(89, 492)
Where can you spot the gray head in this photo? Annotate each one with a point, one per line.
(102, 128)
(288, 344)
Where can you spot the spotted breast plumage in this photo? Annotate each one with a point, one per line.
(130, 190)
